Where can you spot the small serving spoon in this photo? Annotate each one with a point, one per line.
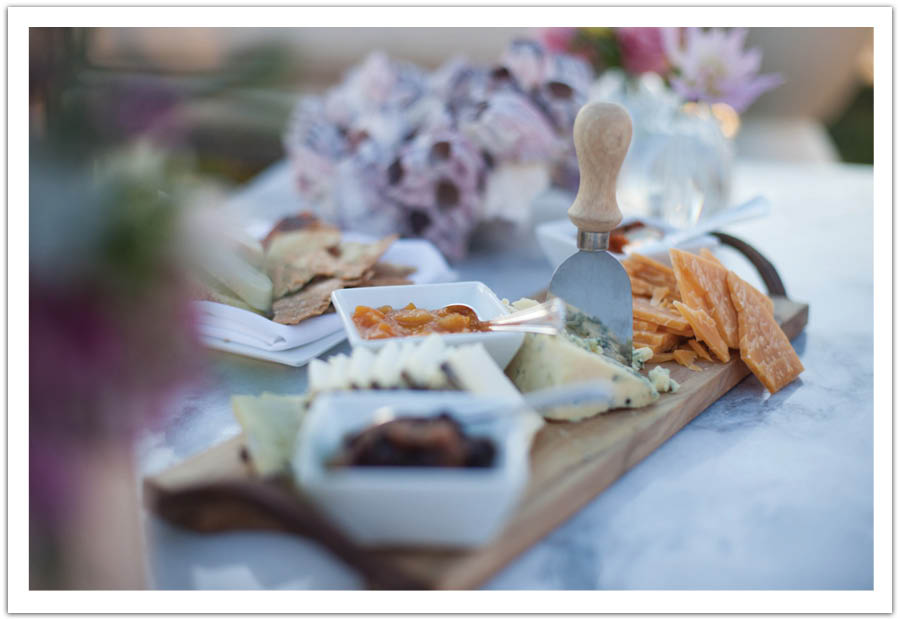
(548, 318)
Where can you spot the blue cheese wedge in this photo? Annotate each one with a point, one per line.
(546, 361)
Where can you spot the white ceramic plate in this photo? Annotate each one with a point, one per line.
(239, 331)
(501, 346)
(412, 505)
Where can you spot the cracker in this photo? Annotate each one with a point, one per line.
(313, 300)
(354, 259)
(389, 269)
(293, 223)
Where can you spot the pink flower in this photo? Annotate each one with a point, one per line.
(712, 66)
(558, 39)
(642, 50)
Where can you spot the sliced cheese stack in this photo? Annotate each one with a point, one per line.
(271, 423)
(404, 365)
(698, 309)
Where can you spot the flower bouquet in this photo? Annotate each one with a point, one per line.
(394, 149)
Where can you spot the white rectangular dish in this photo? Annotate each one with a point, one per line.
(501, 346)
(412, 505)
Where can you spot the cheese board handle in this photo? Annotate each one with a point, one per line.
(602, 134)
(766, 269)
(215, 506)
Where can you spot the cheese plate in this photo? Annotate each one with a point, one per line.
(569, 463)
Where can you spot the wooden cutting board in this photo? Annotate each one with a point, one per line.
(570, 464)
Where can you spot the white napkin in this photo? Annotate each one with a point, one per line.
(241, 331)
(297, 357)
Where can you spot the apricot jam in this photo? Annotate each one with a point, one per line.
(381, 322)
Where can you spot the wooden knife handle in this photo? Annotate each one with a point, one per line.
(602, 135)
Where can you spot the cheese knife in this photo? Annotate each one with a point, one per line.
(592, 282)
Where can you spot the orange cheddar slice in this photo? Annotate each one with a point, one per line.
(661, 357)
(686, 358)
(705, 330)
(765, 300)
(658, 342)
(705, 253)
(659, 294)
(648, 269)
(764, 347)
(704, 287)
(682, 332)
(642, 325)
(643, 310)
(640, 287)
(700, 349)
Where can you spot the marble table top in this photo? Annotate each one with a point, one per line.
(757, 492)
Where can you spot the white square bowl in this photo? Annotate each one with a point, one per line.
(501, 346)
(412, 505)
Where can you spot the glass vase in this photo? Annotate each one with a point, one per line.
(679, 166)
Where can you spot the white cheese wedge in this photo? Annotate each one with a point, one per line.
(471, 368)
(339, 366)
(235, 273)
(422, 369)
(247, 247)
(318, 375)
(360, 368)
(552, 360)
(386, 368)
(270, 423)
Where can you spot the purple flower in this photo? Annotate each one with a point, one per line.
(643, 50)
(712, 66)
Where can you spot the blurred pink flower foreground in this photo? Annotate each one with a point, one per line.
(713, 66)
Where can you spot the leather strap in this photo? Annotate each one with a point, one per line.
(766, 269)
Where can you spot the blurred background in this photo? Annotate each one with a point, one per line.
(228, 92)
